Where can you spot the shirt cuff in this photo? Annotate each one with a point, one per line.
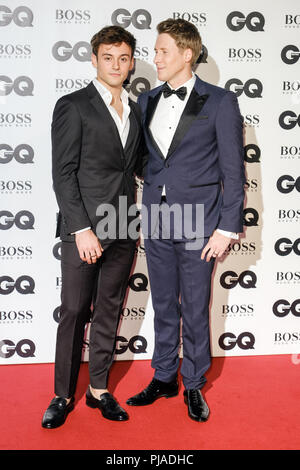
(82, 230)
(233, 235)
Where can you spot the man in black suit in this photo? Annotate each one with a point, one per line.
(96, 142)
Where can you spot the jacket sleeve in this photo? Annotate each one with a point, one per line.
(143, 153)
(66, 134)
(229, 132)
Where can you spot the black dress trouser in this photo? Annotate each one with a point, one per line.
(105, 284)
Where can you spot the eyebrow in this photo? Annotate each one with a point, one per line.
(111, 55)
(161, 48)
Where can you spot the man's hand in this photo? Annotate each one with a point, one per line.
(89, 246)
(215, 246)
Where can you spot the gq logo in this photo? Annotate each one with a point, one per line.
(282, 307)
(250, 217)
(247, 279)
(284, 246)
(236, 21)
(139, 85)
(57, 251)
(244, 341)
(63, 50)
(290, 54)
(24, 285)
(138, 282)
(141, 19)
(252, 88)
(22, 86)
(24, 220)
(252, 153)
(286, 183)
(288, 120)
(23, 153)
(24, 348)
(137, 345)
(22, 16)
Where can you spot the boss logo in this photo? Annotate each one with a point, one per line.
(286, 184)
(141, 52)
(293, 20)
(70, 15)
(251, 185)
(290, 54)
(288, 120)
(252, 88)
(139, 85)
(243, 248)
(63, 50)
(17, 50)
(24, 348)
(289, 214)
(134, 312)
(68, 84)
(234, 309)
(288, 152)
(140, 19)
(22, 86)
(196, 18)
(230, 279)
(137, 345)
(24, 220)
(287, 337)
(240, 54)
(22, 16)
(23, 153)
(57, 251)
(254, 21)
(284, 246)
(228, 341)
(138, 282)
(15, 251)
(19, 119)
(288, 276)
(250, 217)
(290, 86)
(16, 186)
(24, 285)
(282, 307)
(251, 120)
(13, 315)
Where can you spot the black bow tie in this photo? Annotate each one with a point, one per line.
(181, 92)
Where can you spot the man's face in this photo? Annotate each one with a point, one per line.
(170, 61)
(113, 63)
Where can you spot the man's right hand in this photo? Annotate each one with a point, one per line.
(89, 246)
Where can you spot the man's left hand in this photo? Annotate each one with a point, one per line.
(215, 246)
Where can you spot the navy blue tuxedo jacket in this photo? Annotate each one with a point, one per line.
(205, 161)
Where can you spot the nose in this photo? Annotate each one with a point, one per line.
(116, 64)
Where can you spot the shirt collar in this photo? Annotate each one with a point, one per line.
(106, 94)
(189, 84)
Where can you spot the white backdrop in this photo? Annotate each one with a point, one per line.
(250, 47)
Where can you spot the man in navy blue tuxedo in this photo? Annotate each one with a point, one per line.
(194, 134)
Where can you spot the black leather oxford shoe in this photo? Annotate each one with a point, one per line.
(108, 406)
(156, 389)
(57, 412)
(197, 406)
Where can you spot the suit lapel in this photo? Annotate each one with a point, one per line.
(104, 113)
(193, 107)
(151, 107)
(133, 134)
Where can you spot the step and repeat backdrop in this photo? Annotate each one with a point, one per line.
(251, 48)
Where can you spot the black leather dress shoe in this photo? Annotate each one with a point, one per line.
(108, 406)
(156, 389)
(197, 406)
(57, 412)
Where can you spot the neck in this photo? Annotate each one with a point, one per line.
(180, 78)
(115, 91)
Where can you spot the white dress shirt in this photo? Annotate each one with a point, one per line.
(123, 124)
(165, 121)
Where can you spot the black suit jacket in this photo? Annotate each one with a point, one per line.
(89, 165)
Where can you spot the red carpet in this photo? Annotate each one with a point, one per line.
(254, 402)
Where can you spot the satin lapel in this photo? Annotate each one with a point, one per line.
(190, 112)
(151, 107)
(102, 110)
(133, 129)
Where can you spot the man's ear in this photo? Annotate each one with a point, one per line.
(94, 60)
(132, 63)
(188, 55)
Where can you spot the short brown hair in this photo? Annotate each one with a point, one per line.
(184, 33)
(113, 35)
